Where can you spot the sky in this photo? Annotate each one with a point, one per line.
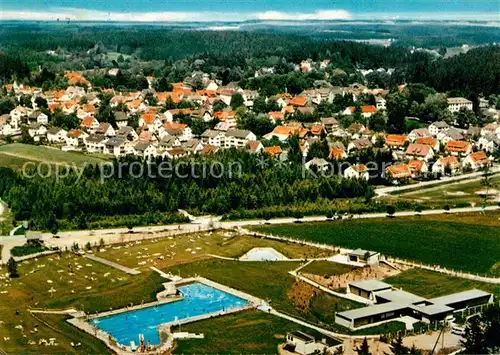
(239, 10)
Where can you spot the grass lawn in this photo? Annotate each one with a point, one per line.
(269, 281)
(16, 154)
(248, 332)
(323, 267)
(433, 284)
(175, 250)
(91, 287)
(468, 242)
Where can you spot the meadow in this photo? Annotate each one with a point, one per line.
(467, 242)
(15, 155)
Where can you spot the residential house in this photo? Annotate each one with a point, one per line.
(115, 146)
(476, 160)
(398, 172)
(337, 154)
(329, 123)
(419, 152)
(395, 141)
(17, 115)
(76, 137)
(367, 111)
(192, 146)
(437, 127)
(319, 164)
(254, 146)
(128, 133)
(273, 151)
(89, 123)
(169, 142)
(418, 133)
(359, 171)
(238, 138)
(458, 148)
(380, 103)
(359, 144)
(418, 167)
(37, 130)
(179, 130)
(57, 135)
(171, 114)
(298, 101)
(175, 153)
(209, 149)
(105, 129)
(150, 121)
(317, 130)
(121, 119)
(226, 116)
(276, 116)
(145, 150)
(491, 129)
(211, 137)
(94, 143)
(440, 165)
(450, 134)
(356, 129)
(38, 117)
(455, 104)
(5, 126)
(431, 142)
(284, 132)
(489, 143)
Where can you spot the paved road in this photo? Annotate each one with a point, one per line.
(472, 176)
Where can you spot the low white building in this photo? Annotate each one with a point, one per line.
(57, 135)
(455, 104)
(359, 171)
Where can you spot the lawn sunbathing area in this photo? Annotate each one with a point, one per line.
(323, 267)
(62, 282)
(169, 251)
(467, 242)
(248, 332)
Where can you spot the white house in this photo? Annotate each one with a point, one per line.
(214, 138)
(450, 161)
(437, 127)
(76, 137)
(57, 135)
(476, 160)
(455, 104)
(489, 143)
(418, 133)
(151, 121)
(115, 146)
(359, 171)
(175, 129)
(238, 138)
(146, 150)
(105, 129)
(5, 126)
(380, 103)
(419, 152)
(95, 143)
(36, 131)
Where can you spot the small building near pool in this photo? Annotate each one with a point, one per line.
(364, 256)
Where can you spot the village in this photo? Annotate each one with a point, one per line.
(427, 152)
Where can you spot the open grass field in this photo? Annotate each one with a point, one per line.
(329, 268)
(17, 154)
(62, 282)
(451, 194)
(181, 249)
(248, 332)
(468, 242)
(433, 284)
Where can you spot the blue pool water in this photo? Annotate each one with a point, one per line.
(198, 299)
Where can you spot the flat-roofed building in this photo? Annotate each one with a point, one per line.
(368, 288)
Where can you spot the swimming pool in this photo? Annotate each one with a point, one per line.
(198, 299)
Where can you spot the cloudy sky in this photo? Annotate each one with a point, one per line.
(227, 10)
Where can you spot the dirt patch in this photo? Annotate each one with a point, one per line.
(301, 294)
(456, 193)
(340, 281)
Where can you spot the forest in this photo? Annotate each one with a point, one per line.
(74, 203)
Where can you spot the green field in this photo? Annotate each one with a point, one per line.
(248, 332)
(181, 249)
(431, 284)
(450, 194)
(92, 287)
(328, 268)
(16, 155)
(468, 242)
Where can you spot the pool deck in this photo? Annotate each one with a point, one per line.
(81, 321)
